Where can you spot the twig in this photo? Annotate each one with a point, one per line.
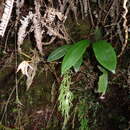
(6, 105)
(120, 32)
(90, 13)
(51, 113)
(7, 38)
(82, 8)
(108, 12)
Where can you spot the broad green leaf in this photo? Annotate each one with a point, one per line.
(78, 64)
(73, 55)
(105, 55)
(58, 53)
(103, 81)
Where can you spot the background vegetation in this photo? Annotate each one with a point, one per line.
(42, 88)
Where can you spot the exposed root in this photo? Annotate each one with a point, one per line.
(125, 27)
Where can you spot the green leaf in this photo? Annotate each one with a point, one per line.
(78, 64)
(73, 55)
(103, 81)
(105, 55)
(58, 53)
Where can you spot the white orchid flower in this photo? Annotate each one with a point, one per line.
(24, 67)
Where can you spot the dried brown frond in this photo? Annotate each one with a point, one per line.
(6, 16)
(22, 30)
(37, 26)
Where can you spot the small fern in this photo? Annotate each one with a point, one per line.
(65, 97)
(82, 112)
